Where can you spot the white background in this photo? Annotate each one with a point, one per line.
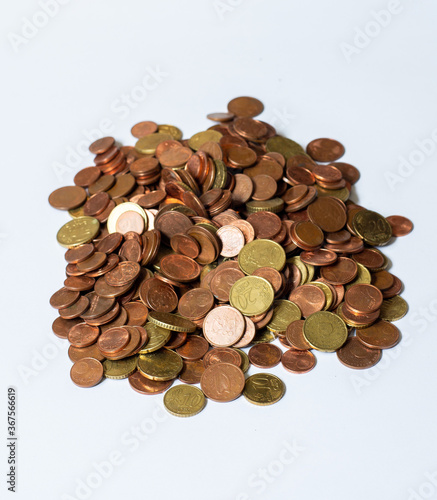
(354, 434)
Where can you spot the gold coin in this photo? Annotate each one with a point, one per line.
(284, 313)
(158, 337)
(393, 309)
(325, 331)
(74, 213)
(251, 295)
(372, 227)
(363, 276)
(263, 336)
(221, 176)
(301, 266)
(263, 389)
(326, 290)
(172, 322)
(261, 253)
(285, 146)
(175, 132)
(342, 193)
(78, 232)
(274, 205)
(245, 363)
(160, 365)
(119, 369)
(128, 206)
(201, 137)
(311, 270)
(147, 145)
(184, 400)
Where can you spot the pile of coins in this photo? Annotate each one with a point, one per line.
(181, 253)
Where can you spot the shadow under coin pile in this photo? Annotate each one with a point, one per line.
(184, 253)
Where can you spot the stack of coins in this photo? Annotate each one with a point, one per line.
(197, 259)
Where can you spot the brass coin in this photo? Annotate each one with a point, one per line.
(184, 401)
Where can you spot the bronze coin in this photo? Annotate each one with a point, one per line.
(307, 235)
(265, 355)
(64, 298)
(245, 107)
(222, 382)
(248, 335)
(180, 268)
(79, 283)
(103, 183)
(68, 197)
(243, 189)
(295, 194)
(222, 355)
(349, 172)
(62, 326)
(395, 289)
(300, 175)
(158, 295)
(131, 251)
(298, 361)
(176, 340)
(340, 273)
(110, 264)
(266, 224)
(98, 306)
(222, 282)
(401, 226)
(295, 337)
(143, 385)
(101, 145)
(273, 276)
(325, 150)
(354, 354)
(380, 335)
(83, 335)
(382, 280)
(86, 372)
(135, 341)
(94, 262)
(137, 313)
(105, 319)
(185, 245)
(309, 299)
(320, 257)
(79, 253)
(87, 176)
(328, 214)
(124, 273)
(77, 353)
(191, 372)
(363, 298)
(240, 157)
(113, 340)
(196, 303)
(96, 204)
(342, 236)
(109, 243)
(142, 129)
(75, 310)
(369, 257)
(194, 348)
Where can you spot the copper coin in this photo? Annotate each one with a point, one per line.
(265, 224)
(325, 150)
(87, 176)
(118, 320)
(171, 223)
(143, 385)
(223, 281)
(83, 335)
(295, 194)
(113, 340)
(265, 355)
(309, 299)
(103, 183)
(295, 337)
(220, 117)
(79, 283)
(86, 372)
(249, 128)
(96, 260)
(77, 353)
(240, 157)
(158, 295)
(363, 298)
(176, 340)
(98, 306)
(340, 273)
(369, 257)
(185, 245)
(68, 197)
(232, 240)
(248, 335)
(320, 257)
(124, 273)
(107, 318)
(79, 253)
(362, 319)
(196, 303)
(380, 335)
(382, 280)
(180, 268)
(245, 107)
(246, 228)
(349, 172)
(152, 199)
(105, 157)
(300, 175)
(307, 235)
(327, 173)
(109, 243)
(137, 313)
(222, 382)
(194, 348)
(400, 225)
(131, 251)
(102, 289)
(142, 129)
(298, 361)
(101, 145)
(64, 298)
(328, 214)
(131, 348)
(96, 204)
(342, 236)
(75, 310)
(110, 264)
(395, 289)
(224, 326)
(191, 372)
(222, 355)
(243, 189)
(273, 276)
(62, 326)
(353, 246)
(354, 354)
